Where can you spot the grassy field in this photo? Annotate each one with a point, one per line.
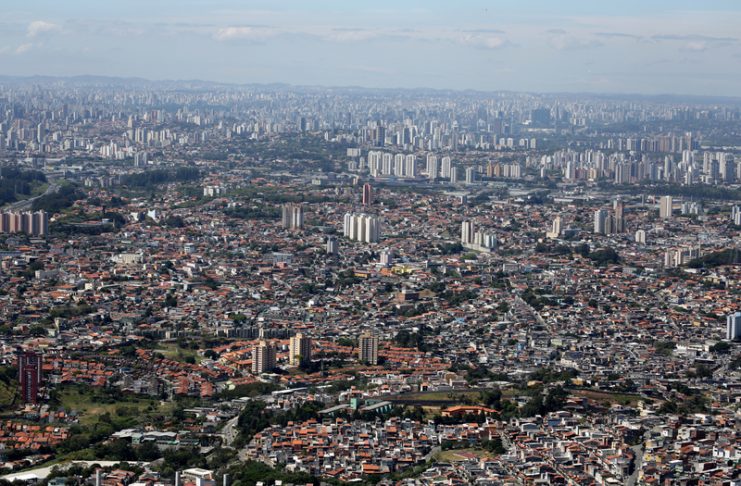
(602, 396)
(175, 352)
(90, 404)
(461, 455)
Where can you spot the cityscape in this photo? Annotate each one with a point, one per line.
(238, 283)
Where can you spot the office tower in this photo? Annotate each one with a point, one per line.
(466, 233)
(446, 165)
(299, 350)
(640, 237)
(29, 375)
(556, 228)
(263, 358)
(361, 227)
(619, 207)
(332, 245)
(600, 221)
(432, 167)
(368, 349)
(292, 216)
(733, 327)
(470, 175)
(367, 194)
(410, 166)
(665, 207)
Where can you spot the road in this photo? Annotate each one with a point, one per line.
(26, 204)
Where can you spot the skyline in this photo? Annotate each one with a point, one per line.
(662, 48)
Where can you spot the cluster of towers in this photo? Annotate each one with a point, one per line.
(606, 223)
(292, 216)
(476, 240)
(34, 224)
(362, 227)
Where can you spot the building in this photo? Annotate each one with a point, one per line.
(466, 232)
(470, 175)
(556, 229)
(332, 245)
(29, 375)
(367, 194)
(299, 350)
(362, 227)
(600, 221)
(619, 207)
(292, 216)
(368, 349)
(733, 327)
(640, 237)
(665, 207)
(263, 358)
(33, 224)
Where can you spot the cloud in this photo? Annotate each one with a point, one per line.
(39, 27)
(694, 37)
(481, 38)
(23, 48)
(245, 33)
(618, 35)
(561, 40)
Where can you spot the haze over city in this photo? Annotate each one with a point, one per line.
(656, 47)
(288, 243)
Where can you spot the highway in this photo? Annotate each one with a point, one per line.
(27, 204)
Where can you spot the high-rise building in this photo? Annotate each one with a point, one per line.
(332, 246)
(299, 350)
(34, 224)
(367, 194)
(665, 207)
(368, 349)
(640, 237)
(619, 207)
(736, 215)
(466, 232)
(29, 375)
(733, 327)
(556, 229)
(362, 227)
(263, 358)
(410, 166)
(600, 221)
(292, 216)
(446, 165)
(470, 175)
(433, 168)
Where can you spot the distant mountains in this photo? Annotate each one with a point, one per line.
(197, 84)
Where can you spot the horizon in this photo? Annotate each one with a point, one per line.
(665, 48)
(597, 94)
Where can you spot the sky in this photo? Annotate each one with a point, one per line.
(627, 46)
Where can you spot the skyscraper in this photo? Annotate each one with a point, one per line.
(665, 207)
(263, 358)
(368, 349)
(299, 350)
(29, 375)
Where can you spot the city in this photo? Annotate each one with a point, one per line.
(258, 284)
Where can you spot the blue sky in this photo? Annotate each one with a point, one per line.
(648, 46)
